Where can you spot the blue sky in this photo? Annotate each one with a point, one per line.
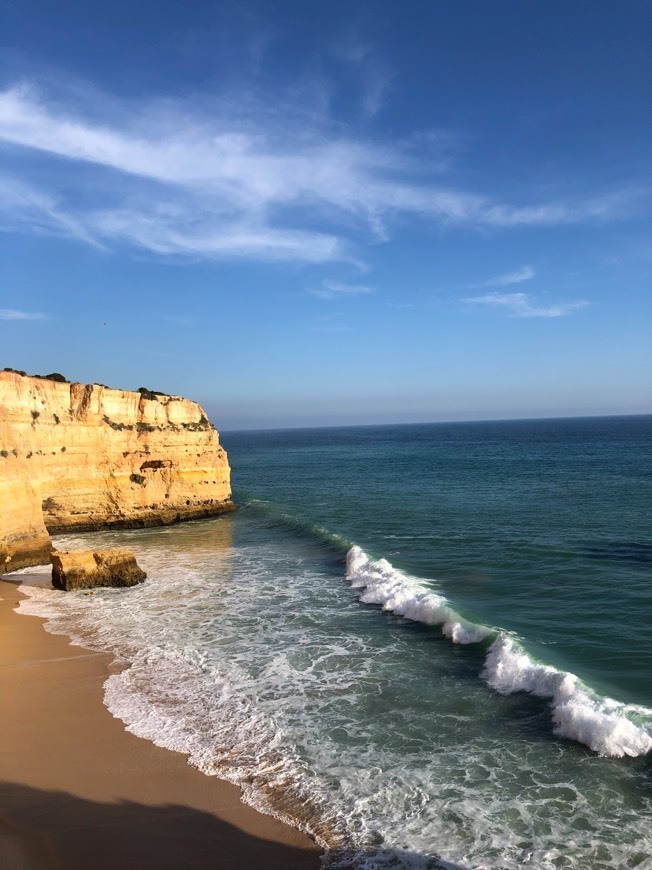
(307, 213)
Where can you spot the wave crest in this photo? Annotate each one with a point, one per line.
(602, 724)
(606, 726)
(405, 596)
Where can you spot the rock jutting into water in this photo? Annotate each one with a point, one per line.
(85, 569)
(83, 456)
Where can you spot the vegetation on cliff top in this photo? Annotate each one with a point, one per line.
(145, 392)
(150, 394)
(61, 379)
(53, 376)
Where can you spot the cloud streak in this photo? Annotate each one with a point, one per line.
(522, 305)
(526, 273)
(13, 314)
(214, 184)
(334, 289)
(518, 276)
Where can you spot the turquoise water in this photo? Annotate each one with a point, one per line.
(427, 645)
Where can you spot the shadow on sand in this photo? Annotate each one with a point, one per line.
(52, 830)
(59, 831)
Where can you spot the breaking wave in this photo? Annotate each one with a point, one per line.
(606, 726)
(381, 583)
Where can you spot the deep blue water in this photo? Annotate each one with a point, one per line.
(427, 645)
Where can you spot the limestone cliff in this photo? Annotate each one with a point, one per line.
(83, 456)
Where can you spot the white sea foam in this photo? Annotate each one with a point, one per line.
(179, 696)
(602, 724)
(383, 584)
(256, 667)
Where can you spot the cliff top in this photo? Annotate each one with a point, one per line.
(58, 378)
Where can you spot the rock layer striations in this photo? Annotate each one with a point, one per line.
(83, 456)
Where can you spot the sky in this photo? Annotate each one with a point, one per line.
(304, 213)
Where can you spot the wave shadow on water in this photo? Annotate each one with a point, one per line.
(524, 713)
(620, 551)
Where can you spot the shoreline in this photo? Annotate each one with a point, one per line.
(78, 790)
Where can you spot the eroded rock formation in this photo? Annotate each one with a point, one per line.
(83, 456)
(85, 569)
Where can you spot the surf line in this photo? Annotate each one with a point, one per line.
(608, 727)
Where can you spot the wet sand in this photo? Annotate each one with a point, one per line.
(77, 791)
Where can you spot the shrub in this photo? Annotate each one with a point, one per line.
(137, 478)
(56, 376)
(117, 426)
(53, 376)
(147, 394)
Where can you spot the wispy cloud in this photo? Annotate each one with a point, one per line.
(525, 273)
(374, 77)
(217, 182)
(522, 305)
(23, 206)
(13, 314)
(333, 289)
(518, 276)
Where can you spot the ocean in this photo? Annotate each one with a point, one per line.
(429, 646)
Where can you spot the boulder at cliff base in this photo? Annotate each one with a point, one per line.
(86, 569)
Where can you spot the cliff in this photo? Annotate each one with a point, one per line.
(83, 456)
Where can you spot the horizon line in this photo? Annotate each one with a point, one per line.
(435, 422)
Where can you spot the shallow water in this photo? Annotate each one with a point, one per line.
(426, 645)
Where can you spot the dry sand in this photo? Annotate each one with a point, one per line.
(78, 792)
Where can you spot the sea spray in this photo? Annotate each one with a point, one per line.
(383, 584)
(604, 725)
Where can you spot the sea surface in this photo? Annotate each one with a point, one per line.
(430, 646)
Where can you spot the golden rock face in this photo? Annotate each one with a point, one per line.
(83, 456)
(87, 569)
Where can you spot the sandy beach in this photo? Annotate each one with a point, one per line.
(78, 791)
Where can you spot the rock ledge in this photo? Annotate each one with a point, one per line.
(86, 569)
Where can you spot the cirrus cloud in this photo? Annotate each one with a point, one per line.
(212, 184)
(14, 314)
(335, 289)
(522, 305)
